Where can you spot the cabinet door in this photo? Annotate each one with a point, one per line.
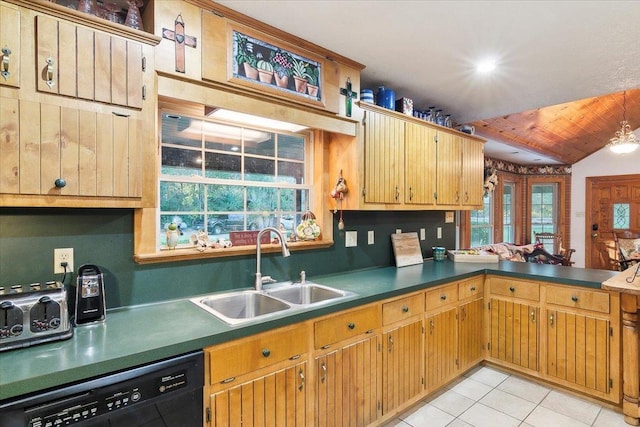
(514, 333)
(441, 348)
(471, 333)
(420, 164)
(384, 161)
(347, 385)
(449, 165)
(402, 365)
(578, 349)
(472, 172)
(277, 399)
(9, 46)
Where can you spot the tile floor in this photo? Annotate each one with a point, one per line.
(487, 397)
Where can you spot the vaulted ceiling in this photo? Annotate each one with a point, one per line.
(561, 66)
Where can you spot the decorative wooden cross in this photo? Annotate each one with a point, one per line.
(351, 95)
(177, 35)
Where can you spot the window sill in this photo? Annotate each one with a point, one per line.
(189, 254)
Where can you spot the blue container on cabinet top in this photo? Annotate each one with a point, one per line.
(386, 98)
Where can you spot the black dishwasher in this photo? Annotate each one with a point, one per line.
(167, 393)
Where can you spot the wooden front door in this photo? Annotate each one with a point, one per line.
(603, 195)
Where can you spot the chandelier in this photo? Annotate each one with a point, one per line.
(625, 141)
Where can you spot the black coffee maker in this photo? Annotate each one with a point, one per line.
(90, 304)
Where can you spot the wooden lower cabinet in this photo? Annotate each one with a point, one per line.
(441, 338)
(402, 365)
(275, 399)
(514, 333)
(347, 384)
(470, 339)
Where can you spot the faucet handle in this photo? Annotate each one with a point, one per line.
(268, 279)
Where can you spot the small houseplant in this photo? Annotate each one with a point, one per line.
(299, 71)
(282, 67)
(246, 57)
(312, 74)
(265, 69)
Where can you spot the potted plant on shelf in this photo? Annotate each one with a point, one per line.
(312, 74)
(299, 71)
(282, 67)
(246, 57)
(265, 70)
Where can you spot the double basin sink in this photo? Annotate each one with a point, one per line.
(239, 307)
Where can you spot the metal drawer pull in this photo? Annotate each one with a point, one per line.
(323, 368)
(473, 289)
(5, 63)
(443, 297)
(351, 326)
(551, 319)
(228, 380)
(301, 375)
(574, 298)
(60, 183)
(512, 289)
(405, 309)
(49, 73)
(266, 352)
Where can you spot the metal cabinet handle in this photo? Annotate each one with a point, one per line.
(4, 69)
(512, 289)
(60, 183)
(443, 297)
(351, 326)
(390, 343)
(49, 72)
(410, 193)
(457, 196)
(431, 326)
(397, 194)
(266, 352)
(551, 319)
(533, 316)
(473, 289)
(301, 376)
(405, 309)
(323, 368)
(463, 313)
(574, 298)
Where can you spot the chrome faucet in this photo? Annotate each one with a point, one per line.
(285, 253)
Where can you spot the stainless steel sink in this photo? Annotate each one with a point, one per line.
(241, 306)
(305, 294)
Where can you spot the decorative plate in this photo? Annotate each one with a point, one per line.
(308, 230)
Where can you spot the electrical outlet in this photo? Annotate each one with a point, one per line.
(350, 239)
(439, 231)
(398, 230)
(423, 234)
(370, 237)
(62, 255)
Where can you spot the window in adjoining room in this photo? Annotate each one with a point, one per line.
(621, 215)
(544, 210)
(220, 177)
(482, 223)
(508, 217)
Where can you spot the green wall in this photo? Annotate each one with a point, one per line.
(105, 237)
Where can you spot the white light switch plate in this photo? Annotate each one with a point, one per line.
(350, 239)
(370, 237)
(439, 229)
(422, 234)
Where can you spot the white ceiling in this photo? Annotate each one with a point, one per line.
(547, 52)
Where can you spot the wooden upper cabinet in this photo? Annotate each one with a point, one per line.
(472, 179)
(9, 46)
(420, 164)
(384, 158)
(449, 168)
(103, 68)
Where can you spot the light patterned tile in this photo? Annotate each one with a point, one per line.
(397, 422)
(452, 403)
(543, 417)
(489, 376)
(471, 388)
(427, 415)
(514, 406)
(524, 389)
(459, 423)
(578, 409)
(609, 418)
(480, 415)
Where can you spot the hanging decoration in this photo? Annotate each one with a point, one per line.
(490, 181)
(338, 193)
(350, 96)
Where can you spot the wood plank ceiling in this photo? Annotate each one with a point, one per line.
(566, 132)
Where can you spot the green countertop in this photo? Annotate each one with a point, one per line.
(137, 335)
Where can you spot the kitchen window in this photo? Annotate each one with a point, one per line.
(219, 177)
(508, 208)
(482, 223)
(544, 210)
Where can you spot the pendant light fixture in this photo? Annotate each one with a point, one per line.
(624, 141)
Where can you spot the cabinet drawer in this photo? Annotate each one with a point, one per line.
(578, 298)
(403, 308)
(515, 288)
(471, 288)
(442, 296)
(244, 356)
(345, 325)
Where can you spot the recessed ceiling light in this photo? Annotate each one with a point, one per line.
(486, 66)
